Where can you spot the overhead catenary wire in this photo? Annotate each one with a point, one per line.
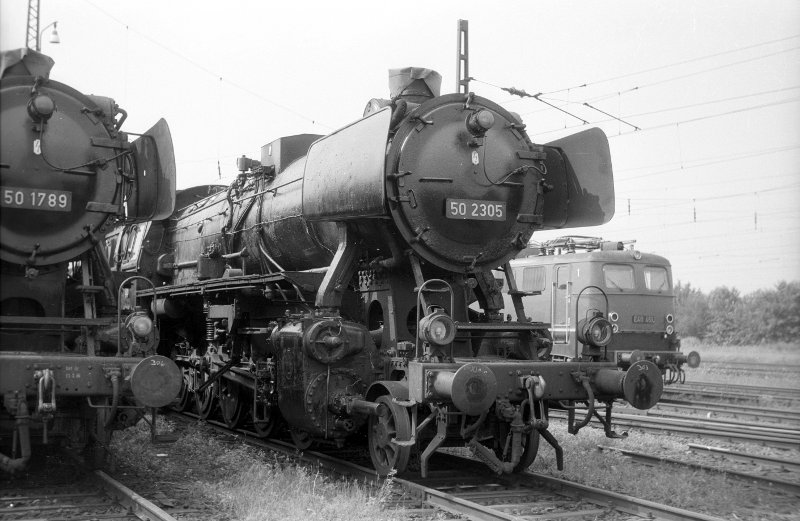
(676, 64)
(208, 71)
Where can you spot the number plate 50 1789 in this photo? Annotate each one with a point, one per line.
(35, 199)
(475, 209)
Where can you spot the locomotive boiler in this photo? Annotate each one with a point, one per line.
(329, 287)
(70, 366)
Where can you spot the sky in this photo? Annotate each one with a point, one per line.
(700, 99)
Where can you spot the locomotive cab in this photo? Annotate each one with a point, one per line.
(571, 275)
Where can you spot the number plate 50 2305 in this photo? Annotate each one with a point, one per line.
(475, 209)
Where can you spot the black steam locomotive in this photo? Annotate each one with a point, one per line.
(75, 360)
(329, 287)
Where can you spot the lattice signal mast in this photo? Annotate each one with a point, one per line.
(462, 64)
(32, 41)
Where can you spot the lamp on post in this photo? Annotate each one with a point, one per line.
(53, 36)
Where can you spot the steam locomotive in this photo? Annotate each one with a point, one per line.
(70, 365)
(571, 278)
(328, 288)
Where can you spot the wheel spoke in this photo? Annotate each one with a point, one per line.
(391, 425)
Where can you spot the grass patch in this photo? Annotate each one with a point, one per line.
(240, 482)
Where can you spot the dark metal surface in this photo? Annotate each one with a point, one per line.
(154, 190)
(344, 171)
(56, 157)
(434, 157)
(582, 181)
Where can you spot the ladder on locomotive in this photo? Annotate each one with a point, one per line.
(88, 291)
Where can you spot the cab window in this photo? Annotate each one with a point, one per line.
(533, 279)
(111, 249)
(655, 278)
(619, 276)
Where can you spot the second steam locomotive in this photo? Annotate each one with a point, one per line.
(76, 362)
(329, 287)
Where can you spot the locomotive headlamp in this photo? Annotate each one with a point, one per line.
(139, 324)
(670, 318)
(613, 316)
(41, 107)
(437, 328)
(479, 122)
(596, 331)
(670, 329)
(614, 328)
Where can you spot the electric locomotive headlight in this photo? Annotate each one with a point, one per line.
(670, 318)
(670, 329)
(613, 316)
(615, 328)
(437, 328)
(596, 331)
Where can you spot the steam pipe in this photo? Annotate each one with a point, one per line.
(114, 400)
(12, 465)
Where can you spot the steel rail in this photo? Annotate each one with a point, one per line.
(724, 416)
(755, 389)
(790, 465)
(774, 483)
(139, 506)
(733, 409)
(715, 424)
(694, 427)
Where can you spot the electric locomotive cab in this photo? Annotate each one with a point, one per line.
(572, 279)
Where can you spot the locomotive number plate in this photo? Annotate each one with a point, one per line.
(644, 319)
(36, 199)
(474, 209)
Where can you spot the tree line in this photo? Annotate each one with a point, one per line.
(724, 316)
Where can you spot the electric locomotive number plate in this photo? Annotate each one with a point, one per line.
(475, 209)
(644, 319)
(36, 199)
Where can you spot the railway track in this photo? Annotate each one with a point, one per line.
(462, 487)
(57, 486)
(715, 409)
(734, 393)
(771, 473)
(754, 367)
(773, 436)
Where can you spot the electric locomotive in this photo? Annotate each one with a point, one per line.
(328, 288)
(574, 281)
(75, 361)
